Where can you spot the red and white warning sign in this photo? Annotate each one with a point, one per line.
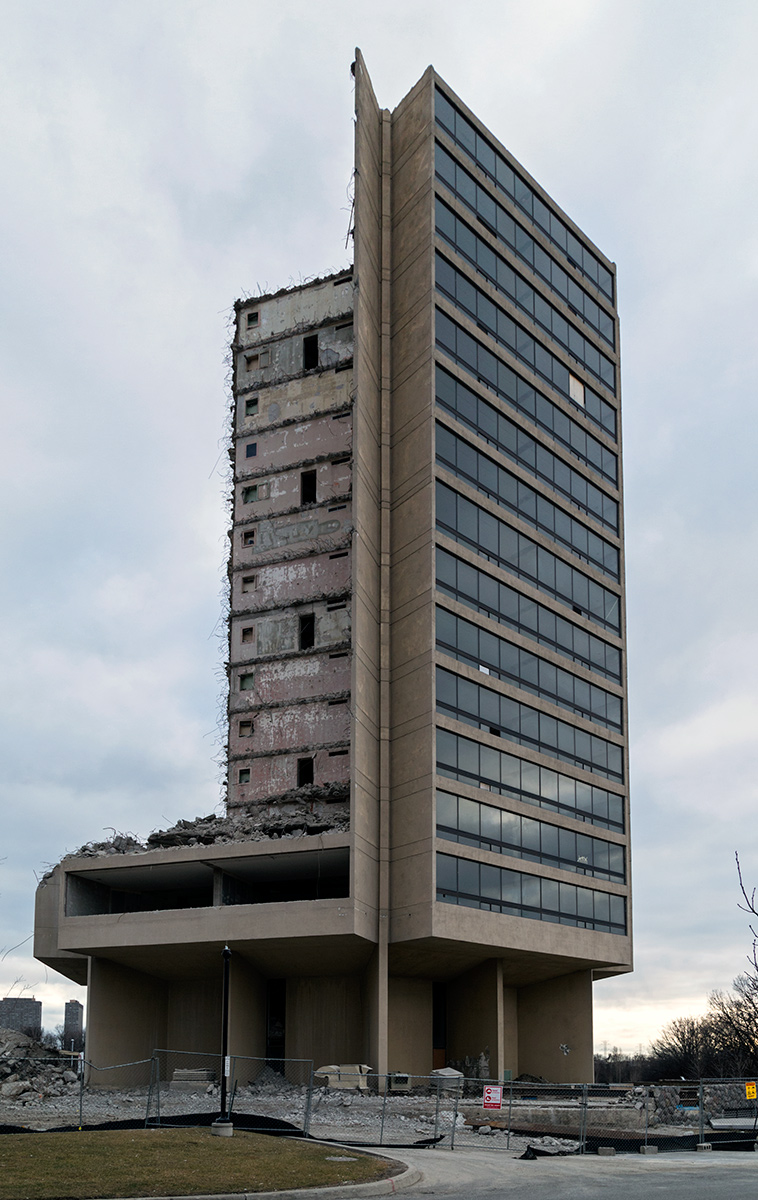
(493, 1096)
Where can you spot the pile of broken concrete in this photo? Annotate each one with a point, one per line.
(29, 1070)
(301, 812)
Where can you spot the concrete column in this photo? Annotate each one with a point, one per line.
(247, 1017)
(410, 1025)
(381, 1056)
(375, 1005)
(324, 1019)
(126, 1018)
(193, 1019)
(476, 1016)
(370, 817)
(555, 1014)
(510, 1031)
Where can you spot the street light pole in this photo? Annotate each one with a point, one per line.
(227, 954)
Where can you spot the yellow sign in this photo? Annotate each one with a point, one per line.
(750, 1091)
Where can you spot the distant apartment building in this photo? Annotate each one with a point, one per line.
(73, 1026)
(427, 853)
(22, 1014)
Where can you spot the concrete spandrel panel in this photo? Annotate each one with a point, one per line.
(305, 397)
(296, 309)
(297, 442)
(277, 584)
(274, 775)
(269, 536)
(301, 678)
(279, 633)
(538, 938)
(281, 493)
(305, 726)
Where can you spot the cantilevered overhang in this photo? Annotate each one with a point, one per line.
(168, 912)
(445, 940)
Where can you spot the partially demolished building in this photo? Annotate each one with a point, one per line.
(425, 854)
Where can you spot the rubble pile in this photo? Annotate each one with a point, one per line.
(301, 812)
(49, 1097)
(31, 1072)
(270, 1083)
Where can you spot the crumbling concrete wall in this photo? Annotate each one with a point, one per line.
(279, 447)
(290, 813)
(280, 584)
(319, 301)
(311, 395)
(275, 775)
(299, 678)
(302, 726)
(290, 631)
(312, 529)
(281, 359)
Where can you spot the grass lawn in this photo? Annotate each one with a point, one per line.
(169, 1162)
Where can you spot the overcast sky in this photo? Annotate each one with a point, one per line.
(158, 159)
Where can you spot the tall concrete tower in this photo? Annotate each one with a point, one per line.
(427, 753)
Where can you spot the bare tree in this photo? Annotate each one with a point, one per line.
(724, 1042)
(750, 908)
(733, 1022)
(684, 1049)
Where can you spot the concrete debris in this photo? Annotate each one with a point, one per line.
(15, 1088)
(301, 812)
(308, 281)
(271, 1082)
(31, 1071)
(44, 1100)
(11, 1040)
(550, 1147)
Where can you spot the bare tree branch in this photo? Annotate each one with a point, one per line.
(749, 907)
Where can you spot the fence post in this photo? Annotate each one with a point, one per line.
(647, 1111)
(150, 1088)
(701, 1107)
(81, 1092)
(437, 1118)
(458, 1084)
(308, 1102)
(510, 1111)
(158, 1087)
(583, 1119)
(384, 1105)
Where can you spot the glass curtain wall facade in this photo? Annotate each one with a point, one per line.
(529, 559)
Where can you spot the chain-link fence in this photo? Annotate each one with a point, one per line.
(363, 1108)
(514, 1115)
(359, 1107)
(67, 1091)
(267, 1095)
(586, 1118)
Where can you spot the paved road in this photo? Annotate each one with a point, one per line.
(463, 1174)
